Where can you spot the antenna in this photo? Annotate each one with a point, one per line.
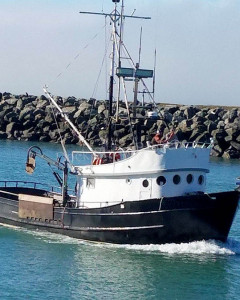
(154, 70)
(140, 46)
(133, 12)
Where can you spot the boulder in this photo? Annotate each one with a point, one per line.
(70, 101)
(190, 111)
(185, 125)
(203, 138)
(26, 114)
(210, 126)
(231, 153)
(11, 127)
(42, 104)
(49, 118)
(216, 151)
(120, 133)
(69, 110)
(42, 97)
(212, 116)
(172, 109)
(167, 116)
(220, 124)
(235, 145)
(11, 117)
(101, 108)
(84, 106)
(126, 140)
(11, 101)
(44, 138)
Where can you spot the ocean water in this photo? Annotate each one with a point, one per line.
(39, 265)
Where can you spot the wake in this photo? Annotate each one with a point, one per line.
(212, 247)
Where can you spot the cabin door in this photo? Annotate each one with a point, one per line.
(146, 189)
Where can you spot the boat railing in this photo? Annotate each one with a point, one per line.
(29, 184)
(97, 204)
(177, 144)
(101, 157)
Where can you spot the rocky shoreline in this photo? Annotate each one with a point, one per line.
(30, 118)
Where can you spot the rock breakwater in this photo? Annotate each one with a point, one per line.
(31, 118)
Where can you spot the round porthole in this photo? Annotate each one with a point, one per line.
(128, 181)
(145, 183)
(201, 179)
(161, 180)
(176, 179)
(189, 178)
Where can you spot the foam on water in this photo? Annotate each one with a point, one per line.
(199, 247)
(212, 247)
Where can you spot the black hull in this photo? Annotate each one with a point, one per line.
(153, 221)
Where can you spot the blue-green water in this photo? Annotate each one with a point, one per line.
(37, 265)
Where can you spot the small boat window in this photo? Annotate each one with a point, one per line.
(90, 183)
(128, 181)
(145, 183)
(201, 179)
(189, 178)
(176, 179)
(161, 180)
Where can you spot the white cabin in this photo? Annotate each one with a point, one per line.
(153, 172)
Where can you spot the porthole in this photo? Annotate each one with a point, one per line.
(201, 179)
(145, 183)
(128, 181)
(161, 180)
(176, 179)
(189, 178)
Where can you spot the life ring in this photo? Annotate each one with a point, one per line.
(157, 138)
(168, 138)
(97, 161)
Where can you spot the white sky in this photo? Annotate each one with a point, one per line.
(197, 42)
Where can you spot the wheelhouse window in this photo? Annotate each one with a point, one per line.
(90, 183)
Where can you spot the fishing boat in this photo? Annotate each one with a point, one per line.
(150, 193)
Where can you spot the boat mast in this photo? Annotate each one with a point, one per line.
(119, 59)
(114, 18)
(117, 42)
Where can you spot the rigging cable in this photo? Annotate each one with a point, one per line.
(95, 88)
(77, 56)
(59, 132)
(100, 71)
(119, 59)
(128, 111)
(145, 86)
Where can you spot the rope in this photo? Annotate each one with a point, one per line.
(100, 71)
(128, 111)
(55, 119)
(95, 89)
